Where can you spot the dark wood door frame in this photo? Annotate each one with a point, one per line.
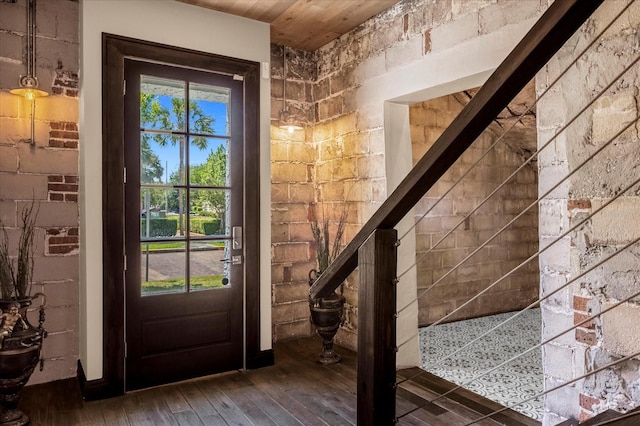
(114, 50)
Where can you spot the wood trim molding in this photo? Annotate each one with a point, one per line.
(114, 49)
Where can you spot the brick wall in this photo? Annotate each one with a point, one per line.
(46, 171)
(595, 343)
(444, 237)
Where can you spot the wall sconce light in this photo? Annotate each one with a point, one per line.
(287, 120)
(29, 83)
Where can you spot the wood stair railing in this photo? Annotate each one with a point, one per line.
(377, 303)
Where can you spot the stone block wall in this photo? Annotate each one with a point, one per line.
(299, 68)
(345, 119)
(446, 236)
(589, 191)
(46, 171)
(293, 192)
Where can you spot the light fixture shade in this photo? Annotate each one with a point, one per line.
(29, 83)
(28, 88)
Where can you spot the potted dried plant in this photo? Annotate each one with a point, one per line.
(20, 342)
(327, 313)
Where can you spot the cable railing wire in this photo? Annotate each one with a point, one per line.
(583, 274)
(505, 227)
(519, 118)
(530, 306)
(557, 239)
(595, 39)
(533, 256)
(537, 346)
(555, 388)
(499, 187)
(573, 228)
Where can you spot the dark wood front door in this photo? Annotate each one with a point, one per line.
(184, 213)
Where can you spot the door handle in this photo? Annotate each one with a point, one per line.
(235, 260)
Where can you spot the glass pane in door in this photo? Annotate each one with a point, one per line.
(160, 214)
(209, 212)
(184, 223)
(209, 109)
(162, 104)
(209, 162)
(209, 264)
(163, 268)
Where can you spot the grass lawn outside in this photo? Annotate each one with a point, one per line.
(176, 245)
(178, 284)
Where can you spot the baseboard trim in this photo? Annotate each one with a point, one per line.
(261, 359)
(101, 388)
(94, 389)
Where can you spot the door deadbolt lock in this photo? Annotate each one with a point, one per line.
(236, 237)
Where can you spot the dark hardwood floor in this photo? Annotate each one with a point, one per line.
(295, 391)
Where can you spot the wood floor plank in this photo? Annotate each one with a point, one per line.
(417, 417)
(188, 418)
(266, 378)
(223, 405)
(295, 391)
(454, 412)
(477, 403)
(310, 394)
(112, 411)
(327, 375)
(247, 400)
(71, 418)
(174, 399)
(35, 402)
(335, 393)
(199, 402)
(147, 408)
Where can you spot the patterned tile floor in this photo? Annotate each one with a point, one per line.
(510, 384)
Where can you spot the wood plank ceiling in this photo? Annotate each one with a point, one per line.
(302, 24)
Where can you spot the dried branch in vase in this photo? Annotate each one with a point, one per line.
(16, 271)
(327, 248)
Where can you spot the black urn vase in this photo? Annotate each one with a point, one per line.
(327, 314)
(19, 356)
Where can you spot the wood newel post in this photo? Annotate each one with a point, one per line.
(377, 259)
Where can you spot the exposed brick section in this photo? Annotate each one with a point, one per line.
(587, 402)
(580, 303)
(65, 83)
(585, 333)
(578, 318)
(589, 406)
(63, 188)
(427, 42)
(63, 135)
(586, 337)
(584, 416)
(578, 204)
(62, 241)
